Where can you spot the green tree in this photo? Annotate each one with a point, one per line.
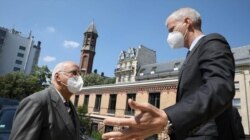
(84, 119)
(96, 79)
(109, 80)
(93, 79)
(85, 123)
(96, 135)
(19, 85)
(43, 74)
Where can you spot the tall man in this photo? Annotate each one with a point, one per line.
(203, 109)
(48, 114)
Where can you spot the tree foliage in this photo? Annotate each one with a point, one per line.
(96, 79)
(85, 123)
(43, 74)
(19, 85)
(84, 119)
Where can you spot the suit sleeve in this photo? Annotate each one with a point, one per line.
(216, 65)
(28, 120)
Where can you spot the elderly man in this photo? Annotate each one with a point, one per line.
(48, 114)
(203, 109)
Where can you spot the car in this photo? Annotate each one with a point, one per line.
(6, 119)
(8, 102)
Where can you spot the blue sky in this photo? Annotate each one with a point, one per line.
(121, 24)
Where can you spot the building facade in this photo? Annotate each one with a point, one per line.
(17, 53)
(156, 83)
(130, 61)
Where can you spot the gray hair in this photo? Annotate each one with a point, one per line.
(183, 13)
(58, 67)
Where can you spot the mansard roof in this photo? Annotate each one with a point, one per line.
(172, 67)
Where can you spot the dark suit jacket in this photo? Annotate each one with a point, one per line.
(43, 116)
(205, 91)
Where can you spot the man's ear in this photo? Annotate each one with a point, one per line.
(189, 22)
(57, 77)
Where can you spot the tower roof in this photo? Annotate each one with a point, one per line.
(91, 28)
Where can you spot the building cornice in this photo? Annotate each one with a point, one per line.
(149, 85)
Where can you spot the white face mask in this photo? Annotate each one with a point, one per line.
(75, 84)
(175, 40)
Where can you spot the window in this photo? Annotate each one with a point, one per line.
(108, 128)
(76, 100)
(20, 55)
(97, 103)
(237, 85)
(142, 72)
(123, 78)
(94, 127)
(119, 78)
(16, 69)
(1, 48)
(1, 41)
(128, 110)
(112, 104)
(19, 62)
(153, 70)
(2, 33)
(86, 100)
(236, 102)
(176, 66)
(154, 99)
(129, 77)
(22, 48)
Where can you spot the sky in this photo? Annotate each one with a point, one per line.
(121, 24)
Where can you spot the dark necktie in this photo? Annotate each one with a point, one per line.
(67, 105)
(69, 110)
(187, 53)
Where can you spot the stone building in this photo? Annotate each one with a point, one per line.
(130, 61)
(156, 83)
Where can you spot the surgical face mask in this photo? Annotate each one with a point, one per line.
(176, 39)
(75, 84)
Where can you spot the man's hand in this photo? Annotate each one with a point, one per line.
(149, 121)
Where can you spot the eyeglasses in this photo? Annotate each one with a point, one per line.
(73, 72)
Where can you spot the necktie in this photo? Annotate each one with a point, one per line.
(187, 53)
(67, 105)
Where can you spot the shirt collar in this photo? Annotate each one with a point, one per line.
(195, 42)
(60, 96)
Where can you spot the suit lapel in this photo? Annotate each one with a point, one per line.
(62, 111)
(179, 91)
(76, 120)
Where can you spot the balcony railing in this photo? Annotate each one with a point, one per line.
(129, 68)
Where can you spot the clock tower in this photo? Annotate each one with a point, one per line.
(88, 49)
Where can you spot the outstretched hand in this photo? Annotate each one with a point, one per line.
(149, 121)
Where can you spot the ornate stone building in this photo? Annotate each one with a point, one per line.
(156, 83)
(130, 61)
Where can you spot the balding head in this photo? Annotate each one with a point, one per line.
(61, 67)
